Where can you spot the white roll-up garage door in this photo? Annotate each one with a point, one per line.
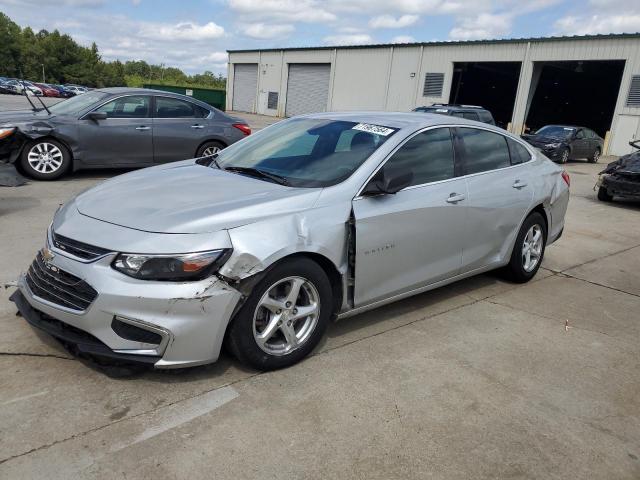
(307, 88)
(245, 84)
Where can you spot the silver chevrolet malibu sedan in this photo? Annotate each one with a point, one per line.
(258, 246)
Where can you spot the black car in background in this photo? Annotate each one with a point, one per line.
(470, 112)
(561, 143)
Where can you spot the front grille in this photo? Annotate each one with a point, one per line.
(78, 249)
(57, 286)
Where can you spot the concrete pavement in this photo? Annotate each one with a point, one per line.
(480, 379)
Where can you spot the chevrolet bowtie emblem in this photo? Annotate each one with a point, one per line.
(47, 255)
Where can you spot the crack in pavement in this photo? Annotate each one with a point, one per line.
(25, 354)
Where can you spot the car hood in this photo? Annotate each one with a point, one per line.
(23, 116)
(542, 139)
(189, 198)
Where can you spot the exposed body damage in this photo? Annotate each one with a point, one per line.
(621, 178)
(371, 248)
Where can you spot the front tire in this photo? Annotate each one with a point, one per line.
(596, 156)
(528, 250)
(603, 195)
(45, 159)
(564, 156)
(284, 317)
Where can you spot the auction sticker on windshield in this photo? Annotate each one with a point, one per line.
(377, 129)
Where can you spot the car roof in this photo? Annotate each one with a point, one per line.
(565, 126)
(414, 120)
(458, 108)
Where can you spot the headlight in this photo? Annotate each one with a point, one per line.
(171, 268)
(6, 131)
(552, 145)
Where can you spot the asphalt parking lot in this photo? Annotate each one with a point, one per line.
(480, 379)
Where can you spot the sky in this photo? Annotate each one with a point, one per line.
(195, 34)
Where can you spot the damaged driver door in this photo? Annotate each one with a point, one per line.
(412, 238)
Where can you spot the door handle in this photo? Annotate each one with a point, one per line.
(197, 126)
(143, 128)
(455, 198)
(518, 184)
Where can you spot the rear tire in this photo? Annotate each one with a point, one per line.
(603, 195)
(528, 250)
(269, 331)
(596, 156)
(45, 159)
(209, 148)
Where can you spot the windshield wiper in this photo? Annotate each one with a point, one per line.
(259, 173)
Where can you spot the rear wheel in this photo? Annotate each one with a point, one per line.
(528, 250)
(596, 156)
(603, 195)
(45, 159)
(209, 148)
(284, 317)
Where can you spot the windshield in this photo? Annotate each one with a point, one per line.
(556, 131)
(77, 105)
(307, 152)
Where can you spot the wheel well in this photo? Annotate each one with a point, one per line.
(540, 209)
(210, 140)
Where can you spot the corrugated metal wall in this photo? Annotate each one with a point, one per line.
(392, 77)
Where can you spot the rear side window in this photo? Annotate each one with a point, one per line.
(484, 150)
(174, 108)
(428, 155)
(470, 115)
(519, 154)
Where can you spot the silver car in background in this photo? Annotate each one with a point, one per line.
(261, 244)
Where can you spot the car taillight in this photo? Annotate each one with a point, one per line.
(244, 128)
(566, 178)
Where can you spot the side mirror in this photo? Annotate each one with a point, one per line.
(387, 183)
(97, 116)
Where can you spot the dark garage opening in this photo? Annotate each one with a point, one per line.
(491, 85)
(580, 93)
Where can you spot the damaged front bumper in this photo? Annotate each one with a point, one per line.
(165, 324)
(619, 185)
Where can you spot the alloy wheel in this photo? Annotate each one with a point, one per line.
(45, 157)
(286, 316)
(212, 150)
(532, 248)
(565, 156)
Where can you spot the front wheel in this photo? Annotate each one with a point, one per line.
(45, 159)
(603, 195)
(528, 250)
(564, 156)
(284, 317)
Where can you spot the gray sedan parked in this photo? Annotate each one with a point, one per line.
(259, 246)
(115, 127)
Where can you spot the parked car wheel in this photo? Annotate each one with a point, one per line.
(45, 159)
(596, 156)
(209, 148)
(528, 250)
(603, 195)
(284, 317)
(564, 156)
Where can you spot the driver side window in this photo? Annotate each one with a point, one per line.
(580, 135)
(135, 106)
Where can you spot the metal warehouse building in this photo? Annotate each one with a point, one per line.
(592, 81)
